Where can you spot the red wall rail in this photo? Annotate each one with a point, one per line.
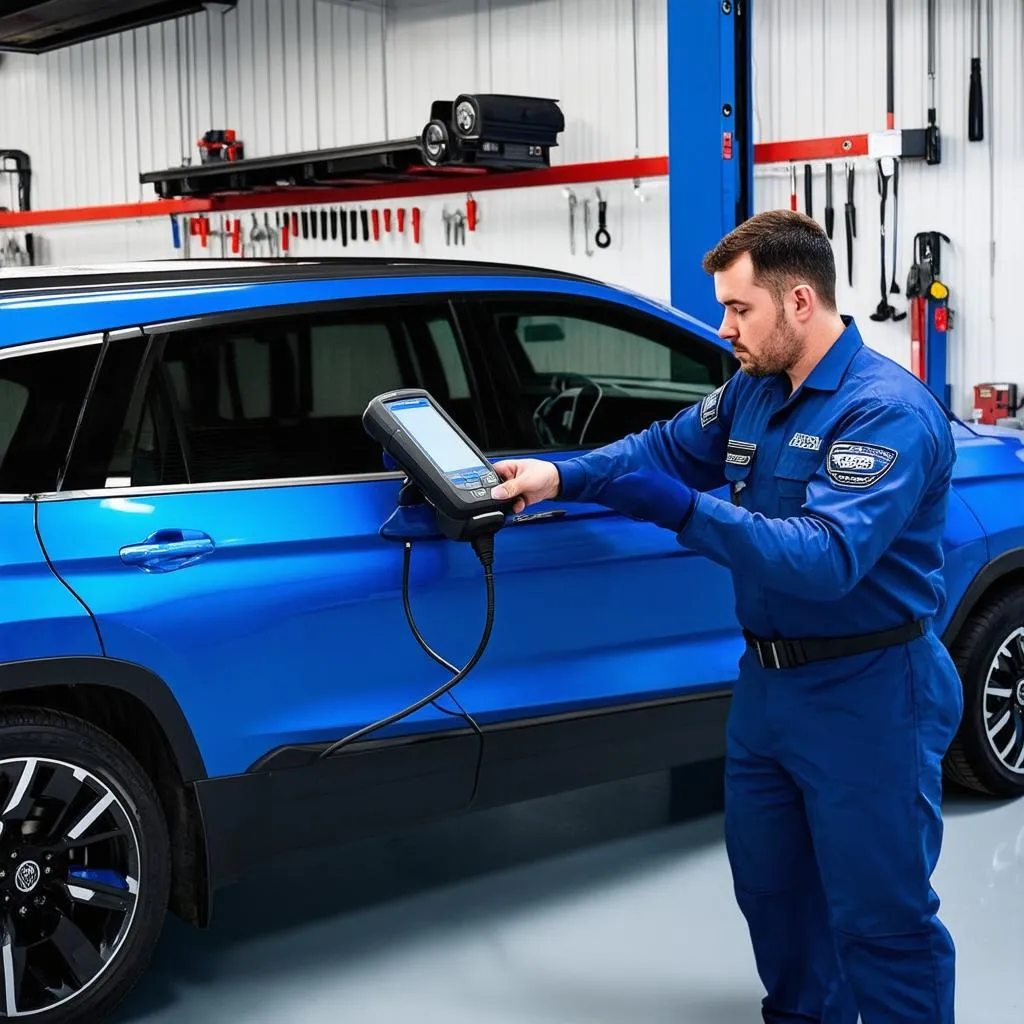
(449, 182)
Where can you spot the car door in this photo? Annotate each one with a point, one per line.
(220, 519)
(593, 609)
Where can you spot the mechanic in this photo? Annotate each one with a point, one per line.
(838, 463)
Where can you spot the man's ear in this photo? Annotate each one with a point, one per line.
(805, 301)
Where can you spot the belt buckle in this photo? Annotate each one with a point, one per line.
(775, 654)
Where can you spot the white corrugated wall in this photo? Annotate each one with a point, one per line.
(820, 71)
(291, 75)
(296, 74)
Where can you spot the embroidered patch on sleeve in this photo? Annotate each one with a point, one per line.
(854, 464)
(709, 407)
(740, 453)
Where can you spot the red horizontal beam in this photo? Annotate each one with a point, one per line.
(116, 211)
(836, 147)
(439, 182)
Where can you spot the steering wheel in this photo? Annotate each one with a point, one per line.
(570, 429)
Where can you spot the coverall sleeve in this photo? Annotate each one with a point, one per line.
(875, 472)
(690, 447)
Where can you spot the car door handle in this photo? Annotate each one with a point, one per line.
(525, 518)
(168, 550)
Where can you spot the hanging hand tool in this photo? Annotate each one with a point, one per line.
(808, 191)
(312, 222)
(894, 288)
(375, 218)
(343, 224)
(285, 232)
(571, 196)
(401, 221)
(323, 225)
(387, 221)
(459, 219)
(792, 186)
(932, 139)
(447, 218)
(364, 216)
(602, 238)
(975, 99)
(851, 221)
(334, 224)
(830, 213)
(353, 218)
(305, 223)
(586, 227)
(416, 220)
(471, 212)
(884, 310)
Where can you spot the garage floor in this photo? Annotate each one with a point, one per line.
(584, 908)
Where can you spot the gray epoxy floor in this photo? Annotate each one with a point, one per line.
(583, 909)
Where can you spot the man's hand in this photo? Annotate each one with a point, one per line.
(527, 480)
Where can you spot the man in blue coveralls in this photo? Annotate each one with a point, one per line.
(839, 466)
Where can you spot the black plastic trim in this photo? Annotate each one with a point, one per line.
(120, 675)
(291, 800)
(270, 270)
(1007, 562)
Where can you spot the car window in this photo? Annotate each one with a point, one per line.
(282, 397)
(41, 398)
(584, 377)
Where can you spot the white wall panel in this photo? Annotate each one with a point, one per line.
(820, 71)
(292, 75)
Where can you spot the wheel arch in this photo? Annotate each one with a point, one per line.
(137, 709)
(1000, 574)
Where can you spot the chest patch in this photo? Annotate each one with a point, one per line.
(709, 407)
(740, 453)
(806, 441)
(853, 464)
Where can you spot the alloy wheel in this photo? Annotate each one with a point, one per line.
(1004, 703)
(69, 882)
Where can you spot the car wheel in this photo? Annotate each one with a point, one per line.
(987, 754)
(84, 869)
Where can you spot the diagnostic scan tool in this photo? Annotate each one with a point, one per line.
(451, 478)
(442, 463)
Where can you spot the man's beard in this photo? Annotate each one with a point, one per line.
(780, 352)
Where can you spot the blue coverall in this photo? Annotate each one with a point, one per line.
(833, 772)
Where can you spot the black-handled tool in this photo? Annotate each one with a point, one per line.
(323, 224)
(932, 138)
(884, 310)
(354, 224)
(830, 213)
(850, 211)
(305, 223)
(334, 224)
(894, 288)
(808, 191)
(975, 99)
(343, 224)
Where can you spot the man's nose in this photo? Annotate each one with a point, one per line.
(727, 328)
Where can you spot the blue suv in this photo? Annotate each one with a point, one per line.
(196, 601)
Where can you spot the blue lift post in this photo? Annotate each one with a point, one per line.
(710, 139)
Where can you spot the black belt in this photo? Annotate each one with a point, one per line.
(793, 653)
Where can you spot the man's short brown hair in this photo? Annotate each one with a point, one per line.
(785, 247)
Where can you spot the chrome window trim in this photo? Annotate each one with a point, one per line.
(224, 485)
(34, 348)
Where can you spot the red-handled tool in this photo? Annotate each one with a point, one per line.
(471, 213)
(375, 218)
(387, 221)
(401, 221)
(284, 235)
(416, 216)
(792, 186)
(236, 236)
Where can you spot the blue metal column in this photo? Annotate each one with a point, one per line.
(710, 139)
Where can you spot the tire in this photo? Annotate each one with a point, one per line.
(989, 655)
(84, 869)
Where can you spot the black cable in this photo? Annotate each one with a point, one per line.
(462, 712)
(484, 548)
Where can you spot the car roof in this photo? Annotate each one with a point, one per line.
(172, 273)
(43, 303)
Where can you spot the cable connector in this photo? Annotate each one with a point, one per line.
(483, 545)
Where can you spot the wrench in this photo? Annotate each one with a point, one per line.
(586, 226)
